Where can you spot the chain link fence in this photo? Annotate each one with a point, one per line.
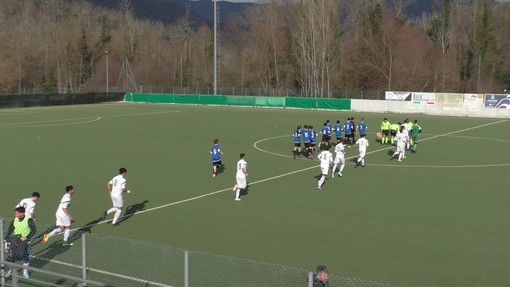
(226, 91)
(126, 262)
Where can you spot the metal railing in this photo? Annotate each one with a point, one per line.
(38, 280)
(99, 260)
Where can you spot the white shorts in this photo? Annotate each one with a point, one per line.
(401, 148)
(63, 220)
(339, 159)
(241, 182)
(362, 153)
(325, 170)
(117, 201)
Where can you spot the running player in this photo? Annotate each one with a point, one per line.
(216, 157)
(362, 144)
(339, 158)
(326, 158)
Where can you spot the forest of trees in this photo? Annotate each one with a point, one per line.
(315, 47)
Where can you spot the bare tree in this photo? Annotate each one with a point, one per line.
(317, 36)
(131, 33)
(268, 43)
(59, 46)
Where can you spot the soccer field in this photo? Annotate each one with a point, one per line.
(438, 218)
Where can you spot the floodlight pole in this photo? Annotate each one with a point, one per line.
(19, 75)
(107, 88)
(215, 84)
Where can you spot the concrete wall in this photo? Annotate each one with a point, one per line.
(400, 107)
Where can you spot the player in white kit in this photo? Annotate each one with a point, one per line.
(402, 140)
(362, 144)
(116, 187)
(64, 218)
(339, 158)
(29, 204)
(241, 175)
(326, 158)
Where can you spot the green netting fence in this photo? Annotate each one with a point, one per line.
(248, 101)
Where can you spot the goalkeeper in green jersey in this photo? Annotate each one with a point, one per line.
(415, 132)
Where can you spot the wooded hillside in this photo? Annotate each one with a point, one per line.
(316, 47)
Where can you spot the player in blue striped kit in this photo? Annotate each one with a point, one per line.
(297, 142)
(216, 157)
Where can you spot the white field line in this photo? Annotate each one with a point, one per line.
(51, 122)
(277, 176)
(443, 166)
(251, 183)
(383, 149)
(104, 272)
(71, 121)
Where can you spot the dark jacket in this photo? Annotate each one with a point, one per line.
(11, 231)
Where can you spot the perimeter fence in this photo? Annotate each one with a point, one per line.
(224, 91)
(119, 261)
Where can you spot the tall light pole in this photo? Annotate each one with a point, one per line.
(107, 90)
(19, 75)
(215, 84)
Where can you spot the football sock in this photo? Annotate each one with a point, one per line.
(341, 167)
(53, 232)
(67, 231)
(113, 209)
(116, 216)
(321, 181)
(238, 192)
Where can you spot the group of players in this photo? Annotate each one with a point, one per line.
(241, 168)
(22, 229)
(405, 136)
(307, 136)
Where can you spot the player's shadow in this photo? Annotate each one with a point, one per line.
(47, 254)
(56, 248)
(390, 152)
(317, 177)
(132, 209)
(304, 153)
(220, 169)
(245, 191)
(87, 228)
